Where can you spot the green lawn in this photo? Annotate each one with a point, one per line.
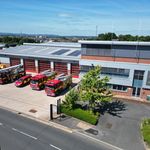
(146, 131)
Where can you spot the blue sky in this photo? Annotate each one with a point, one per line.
(75, 17)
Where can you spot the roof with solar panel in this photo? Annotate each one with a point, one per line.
(51, 50)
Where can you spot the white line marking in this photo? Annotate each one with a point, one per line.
(1, 124)
(24, 133)
(102, 142)
(55, 147)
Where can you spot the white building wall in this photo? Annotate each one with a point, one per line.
(127, 81)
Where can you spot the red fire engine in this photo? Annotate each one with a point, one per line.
(57, 85)
(38, 81)
(11, 74)
(25, 80)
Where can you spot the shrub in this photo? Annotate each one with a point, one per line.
(146, 131)
(86, 116)
(70, 99)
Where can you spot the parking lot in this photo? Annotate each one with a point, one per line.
(28, 101)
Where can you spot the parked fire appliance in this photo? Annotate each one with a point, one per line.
(25, 80)
(38, 81)
(11, 74)
(56, 86)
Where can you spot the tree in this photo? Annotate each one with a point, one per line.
(127, 37)
(93, 88)
(70, 99)
(107, 36)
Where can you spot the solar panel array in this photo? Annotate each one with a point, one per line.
(60, 52)
(54, 52)
(75, 53)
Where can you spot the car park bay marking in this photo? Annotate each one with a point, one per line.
(14, 129)
(55, 147)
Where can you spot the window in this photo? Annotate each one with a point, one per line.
(99, 46)
(138, 75)
(108, 71)
(115, 71)
(84, 68)
(119, 87)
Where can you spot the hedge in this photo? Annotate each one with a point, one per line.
(78, 113)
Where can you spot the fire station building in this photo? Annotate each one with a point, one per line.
(59, 57)
(126, 63)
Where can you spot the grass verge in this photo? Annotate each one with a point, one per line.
(78, 113)
(146, 131)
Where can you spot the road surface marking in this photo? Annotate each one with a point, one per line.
(24, 133)
(55, 147)
(102, 142)
(1, 124)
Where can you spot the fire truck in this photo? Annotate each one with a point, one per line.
(38, 81)
(56, 86)
(25, 80)
(11, 74)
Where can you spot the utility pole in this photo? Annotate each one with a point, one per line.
(96, 30)
(139, 31)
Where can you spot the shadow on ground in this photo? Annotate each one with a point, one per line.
(114, 108)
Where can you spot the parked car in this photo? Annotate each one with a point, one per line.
(25, 80)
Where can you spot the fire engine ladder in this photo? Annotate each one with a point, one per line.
(11, 68)
(60, 76)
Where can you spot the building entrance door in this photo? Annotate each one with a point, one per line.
(136, 91)
(137, 82)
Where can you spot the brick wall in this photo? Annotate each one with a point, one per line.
(123, 93)
(116, 59)
(98, 58)
(144, 61)
(133, 60)
(144, 93)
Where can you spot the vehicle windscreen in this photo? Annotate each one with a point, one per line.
(20, 80)
(34, 81)
(50, 87)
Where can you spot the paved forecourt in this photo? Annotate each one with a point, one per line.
(24, 99)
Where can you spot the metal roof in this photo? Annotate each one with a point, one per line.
(55, 44)
(49, 51)
(115, 42)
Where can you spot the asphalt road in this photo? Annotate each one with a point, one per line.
(20, 133)
(121, 125)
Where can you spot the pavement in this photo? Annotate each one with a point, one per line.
(121, 125)
(20, 133)
(31, 102)
(118, 127)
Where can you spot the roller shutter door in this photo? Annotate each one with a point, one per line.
(60, 67)
(43, 65)
(14, 61)
(75, 70)
(29, 65)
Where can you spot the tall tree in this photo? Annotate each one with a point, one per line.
(70, 99)
(93, 88)
(107, 36)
